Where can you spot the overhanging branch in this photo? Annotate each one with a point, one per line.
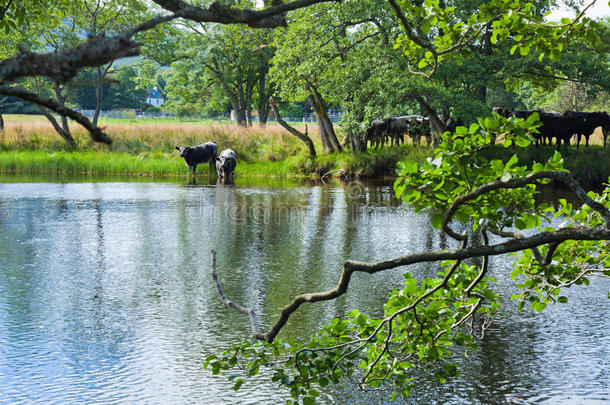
(350, 267)
(270, 17)
(519, 243)
(96, 133)
(63, 65)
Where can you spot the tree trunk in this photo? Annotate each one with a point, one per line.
(2, 100)
(66, 136)
(303, 137)
(356, 142)
(240, 115)
(436, 126)
(98, 97)
(249, 91)
(327, 132)
(64, 129)
(323, 135)
(263, 107)
(61, 99)
(239, 105)
(487, 51)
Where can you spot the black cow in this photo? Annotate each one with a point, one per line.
(588, 122)
(396, 127)
(415, 126)
(375, 133)
(225, 164)
(194, 155)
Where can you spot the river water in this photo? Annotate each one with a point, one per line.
(106, 294)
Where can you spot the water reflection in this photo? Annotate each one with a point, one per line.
(106, 296)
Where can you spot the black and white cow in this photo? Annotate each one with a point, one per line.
(226, 163)
(194, 155)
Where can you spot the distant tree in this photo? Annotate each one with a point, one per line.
(217, 65)
(118, 91)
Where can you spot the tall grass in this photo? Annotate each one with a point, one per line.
(250, 144)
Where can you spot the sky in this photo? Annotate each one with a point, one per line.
(600, 9)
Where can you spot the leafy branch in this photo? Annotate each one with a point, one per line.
(426, 317)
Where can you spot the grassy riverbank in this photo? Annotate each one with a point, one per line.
(29, 145)
(147, 148)
(90, 162)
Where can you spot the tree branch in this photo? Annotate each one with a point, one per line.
(563, 177)
(233, 305)
(302, 136)
(5, 9)
(63, 65)
(65, 135)
(350, 267)
(270, 17)
(553, 239)
(96, 133)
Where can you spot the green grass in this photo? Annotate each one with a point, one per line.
(122, 164)
(145, 147)
(89, 162)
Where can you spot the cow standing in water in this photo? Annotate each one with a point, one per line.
(225, 164)
(194, 155)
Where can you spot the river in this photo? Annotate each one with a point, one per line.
(106, 294)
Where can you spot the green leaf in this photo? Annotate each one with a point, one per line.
(308, 401)
(409, 167)
(437, 220)
(522, 142)
(511, 162)
(538, 306)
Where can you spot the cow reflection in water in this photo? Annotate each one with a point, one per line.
(225, 181)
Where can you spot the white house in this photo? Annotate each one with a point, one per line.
(154, 98)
